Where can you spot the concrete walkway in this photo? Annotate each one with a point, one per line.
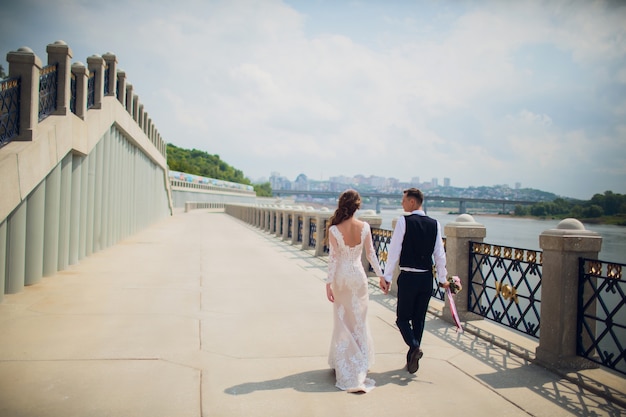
(203, 315)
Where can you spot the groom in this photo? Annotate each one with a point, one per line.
(416, 240)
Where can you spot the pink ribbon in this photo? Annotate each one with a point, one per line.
(455, 315)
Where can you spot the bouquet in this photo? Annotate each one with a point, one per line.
(455, 284)
(455, 287)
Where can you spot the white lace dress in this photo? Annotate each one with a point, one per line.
(351, 348)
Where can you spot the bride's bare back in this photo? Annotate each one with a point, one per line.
(351, 230)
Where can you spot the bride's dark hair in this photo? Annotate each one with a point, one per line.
(349, 203)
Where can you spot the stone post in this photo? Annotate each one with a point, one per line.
(280, 221)
(141, 121)
(458, 235)
(129, 99)
(81, 74)
(562, 247)
(287, 214)
(111, 63)
(322, 220)
(24, 64)
(297, 214)
(271, 223)
(59, 53)
(306, 229)
(95, 63)
(121, 87)
(135, 113)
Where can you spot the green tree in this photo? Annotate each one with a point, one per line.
(592, 211)
(263, 190)
(201, 163)
(521, 210)
(538, 210)
(3, 74)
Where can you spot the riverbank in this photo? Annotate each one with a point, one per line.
(617, 220)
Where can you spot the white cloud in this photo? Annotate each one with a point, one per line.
(483, 93)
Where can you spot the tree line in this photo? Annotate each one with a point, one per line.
(609, 207)
(202, 163)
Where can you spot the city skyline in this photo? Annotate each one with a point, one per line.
(382, 184)
(483, 92)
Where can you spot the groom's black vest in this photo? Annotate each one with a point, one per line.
(419, 242)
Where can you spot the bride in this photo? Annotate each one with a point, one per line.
(351, 349)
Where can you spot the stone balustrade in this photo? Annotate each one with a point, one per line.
(562, 248)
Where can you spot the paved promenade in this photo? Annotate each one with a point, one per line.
(203, 315)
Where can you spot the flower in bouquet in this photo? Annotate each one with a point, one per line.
(455, 284)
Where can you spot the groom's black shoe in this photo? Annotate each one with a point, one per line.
(413, 359)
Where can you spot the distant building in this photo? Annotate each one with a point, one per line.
(301, 182)
(446, 182)
(435, 183)
(278, 182)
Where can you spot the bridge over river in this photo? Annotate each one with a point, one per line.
(396, 196)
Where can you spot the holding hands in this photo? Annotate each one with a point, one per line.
(329, 293)
(384, 285)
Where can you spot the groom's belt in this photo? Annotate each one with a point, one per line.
(414, 270)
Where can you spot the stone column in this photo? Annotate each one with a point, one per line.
(280, 215)
(458, 235)
(296, 213)
(24, 64)
(287, 213)
(59, 53)
(322, 218)
(95, 63)
(121, 87)
(80, 73)
(562, 247)
(129, 99)
(269, 219)
(111, 63)
(141, 121)
(306, 229)
(136, 108)
(34, 231)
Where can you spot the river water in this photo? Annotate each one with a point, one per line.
(524, 233)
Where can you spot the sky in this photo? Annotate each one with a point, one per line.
(482, 92)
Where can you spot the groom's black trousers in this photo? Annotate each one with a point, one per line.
(414, 292)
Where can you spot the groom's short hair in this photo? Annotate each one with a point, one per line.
(415, 193)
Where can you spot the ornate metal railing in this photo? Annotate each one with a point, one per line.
(312, 232)
(381, 238)
(9, 110)
(91, 90)
(602, 313)
(73, 93)
(47, 91)
(106, 80)
(300, 227)
(505, 285)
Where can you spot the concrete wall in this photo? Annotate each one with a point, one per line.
(75, 182)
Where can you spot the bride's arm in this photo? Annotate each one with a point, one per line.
(370, 252)
(332, 266)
